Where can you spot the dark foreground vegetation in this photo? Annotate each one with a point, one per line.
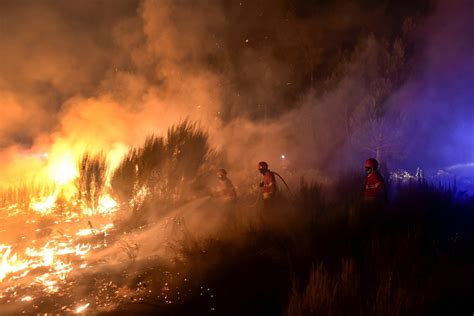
(318, 253)
(414, 257)
(322, 251)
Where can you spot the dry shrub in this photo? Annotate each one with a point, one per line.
(165, 170)
(92, 179)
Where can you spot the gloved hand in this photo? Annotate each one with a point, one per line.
(267, 195)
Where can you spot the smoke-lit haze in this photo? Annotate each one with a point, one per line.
(313, 80)
(438, 97)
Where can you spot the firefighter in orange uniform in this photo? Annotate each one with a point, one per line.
(225, 190)
(374, 187)
(227, 198)
(268, 185)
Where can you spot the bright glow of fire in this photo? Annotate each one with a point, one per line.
(44, 205)
(63, 169)
(10, 263)
(54, 261)
(59, 235)
(107, 204)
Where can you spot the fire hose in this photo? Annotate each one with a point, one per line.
(284, 182)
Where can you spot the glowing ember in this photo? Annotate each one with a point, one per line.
(82, 308)
(10, 264)
(56, 255)
(62, 269)
(49, 285)
(47, 261)
(139, 197)
(91, 231)
(84, 232)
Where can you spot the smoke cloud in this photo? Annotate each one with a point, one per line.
(437, 98)
(310, 81)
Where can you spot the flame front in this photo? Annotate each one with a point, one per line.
(63, 170)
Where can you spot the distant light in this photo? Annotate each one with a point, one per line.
(283, 157)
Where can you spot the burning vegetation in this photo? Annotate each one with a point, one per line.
(147, 237)
(54, 227)
(131, 130)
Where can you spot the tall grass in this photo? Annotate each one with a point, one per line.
(397, 260)
(19, 197)
(339, 256)
(326, 293)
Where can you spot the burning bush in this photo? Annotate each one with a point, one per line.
(164, 170)
(92, 179)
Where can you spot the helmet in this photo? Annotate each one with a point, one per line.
(262, 167)
(371, 163)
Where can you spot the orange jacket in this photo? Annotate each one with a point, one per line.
(374, 188)
(269, 185)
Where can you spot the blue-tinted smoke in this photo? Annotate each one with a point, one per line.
(437, 102)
